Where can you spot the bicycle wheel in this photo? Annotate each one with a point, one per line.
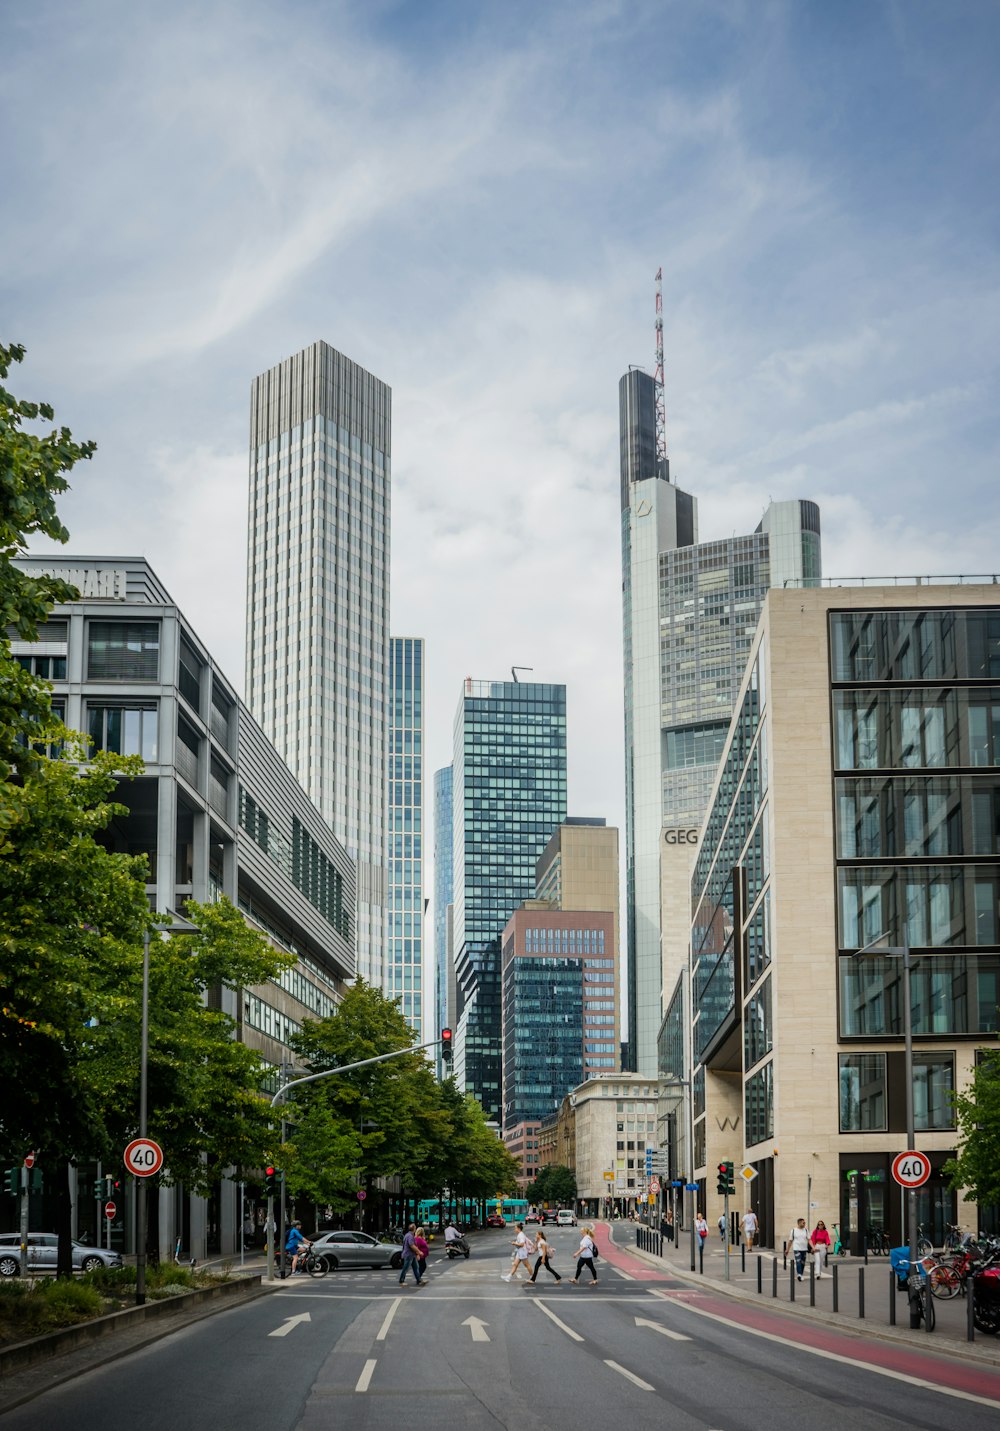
(316, 1266)
(945, 1281)
(924, 1247)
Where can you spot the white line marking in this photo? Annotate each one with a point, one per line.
(366, 1376)
(627, 1275)
(561, 1325)
(630, 1376)
(384, 1328)
(290, 1324)
(664, 1331)
(832, 1356)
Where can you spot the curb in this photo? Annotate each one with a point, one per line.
(964, 1352)
(38, 1364)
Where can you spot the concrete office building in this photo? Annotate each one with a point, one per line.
(443, 874)
(521, 1142)
(689, 613)
(509, 796)
(856, 797)
(601, 1132)
(406, 977)
(216, 812)
(318, 601)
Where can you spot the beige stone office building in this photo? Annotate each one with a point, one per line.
(858, 795)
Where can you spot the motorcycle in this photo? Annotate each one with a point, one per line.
(458, 1247)
(986, 1300)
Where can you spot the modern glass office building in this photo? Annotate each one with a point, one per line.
(689, 615)
(443, 873)
(318, 601)
(405, 976)
(509, 772)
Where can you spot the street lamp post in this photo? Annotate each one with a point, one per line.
(902, 951)
(179, 926)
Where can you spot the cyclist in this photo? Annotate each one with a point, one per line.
(296, 1245)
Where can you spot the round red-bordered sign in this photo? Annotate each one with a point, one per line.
(110, 1209)
(29, 1161)
(143, 1157)
(910, 1169)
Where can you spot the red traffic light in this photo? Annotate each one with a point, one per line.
(446, 1045)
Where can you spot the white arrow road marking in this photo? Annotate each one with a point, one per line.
(664, 1331)
(630, 1376)
(384, 1328)
(366, 1376)
(561, 1325)
(290, 1323)
(477, 1328)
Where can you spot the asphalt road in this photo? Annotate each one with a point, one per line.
(471, 1352)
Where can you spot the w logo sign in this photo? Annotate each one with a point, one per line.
(724, 1123)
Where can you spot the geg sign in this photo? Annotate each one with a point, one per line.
(680, 837)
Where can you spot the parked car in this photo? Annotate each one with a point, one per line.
(496, 1219)
(565, 1217)
(534, 1217)
(357, 1249)
(43, 1248)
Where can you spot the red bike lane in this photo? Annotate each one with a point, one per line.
(926, 1368)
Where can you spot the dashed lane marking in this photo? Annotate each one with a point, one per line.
(383, 1330)
(630, 1376)
(366, 1375)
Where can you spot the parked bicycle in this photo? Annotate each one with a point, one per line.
(877, 1241)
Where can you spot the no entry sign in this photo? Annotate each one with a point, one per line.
(110, 1210)
(910, 1169)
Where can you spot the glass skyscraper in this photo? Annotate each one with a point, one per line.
(405, 976)
(689, 615)
(318, 601)
(509, 772)
(443, 873)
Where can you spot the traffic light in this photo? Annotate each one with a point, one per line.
(270, 1182)
(12, 1181)
(446, 1046)
(727, 1180)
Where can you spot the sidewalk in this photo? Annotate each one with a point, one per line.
(949, 1336)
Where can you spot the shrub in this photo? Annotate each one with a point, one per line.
(109, 1279)
(68, 1302)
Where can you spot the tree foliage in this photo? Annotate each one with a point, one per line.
(976, 1169)
(554, 1185)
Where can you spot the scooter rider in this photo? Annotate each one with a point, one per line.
(454, 1242)
(452, 1234)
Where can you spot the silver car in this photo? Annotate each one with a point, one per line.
(43, 1248)
(356, 1249)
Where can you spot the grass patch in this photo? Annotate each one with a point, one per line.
(28, 1309)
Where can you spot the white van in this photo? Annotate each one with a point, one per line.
(565, 1218)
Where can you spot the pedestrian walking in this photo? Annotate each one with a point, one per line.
(411, 1257)
(722, 1228)
(820, 1243)
(701, 1228)
(543, 1258)
(522, 1251)
(798, 1244)
(749, 1228)
(422, 1247)
(585, 1257)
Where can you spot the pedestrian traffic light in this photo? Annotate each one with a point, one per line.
(12, 1181)
(446, 1046)
(727, 1181)
(270, 1181)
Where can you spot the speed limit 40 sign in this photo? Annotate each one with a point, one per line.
(143, 1157)
(910, 1169)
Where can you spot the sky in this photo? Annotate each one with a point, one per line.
(471, 200)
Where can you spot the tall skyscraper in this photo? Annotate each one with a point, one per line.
(318, 601)
(689, 614)
(509, 772)
(443, 819)
(406, 978)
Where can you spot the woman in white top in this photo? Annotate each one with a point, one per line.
(585, 1256)
(522, 1251)
(543, 1255)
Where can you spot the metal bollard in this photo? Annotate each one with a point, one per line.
(774, 1277)
(812, 1284)
(861, 1292)
(760, 1276)
(701, 1256)
(970, 1307)
(866, 1251)
(791, 1283)
(784, 1255)
(892, 1299)
(836, 1289)
(743, 1257)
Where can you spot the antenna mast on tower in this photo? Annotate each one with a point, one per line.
(658, 393)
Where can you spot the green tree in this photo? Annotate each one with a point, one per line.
(976, 1169)
(555, 1185)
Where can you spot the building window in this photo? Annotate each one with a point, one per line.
(757, 1026)
(125, 730)
(759, 1105)
(933, 1086)
(862, 1092)
(47, 668)
(123, 650)
(954, 994)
